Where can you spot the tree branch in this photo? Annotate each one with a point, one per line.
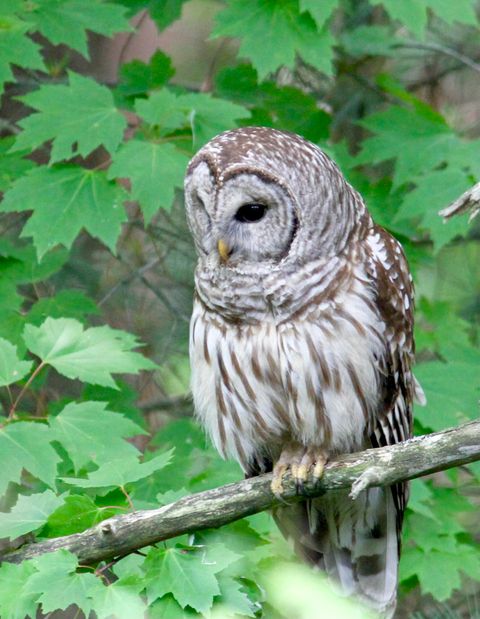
(124, 534)
(468, 201)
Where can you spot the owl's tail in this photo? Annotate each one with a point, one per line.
(354, 541)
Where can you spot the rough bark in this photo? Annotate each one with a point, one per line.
(468, 201)
(123, 534)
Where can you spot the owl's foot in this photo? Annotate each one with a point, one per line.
(301, 462)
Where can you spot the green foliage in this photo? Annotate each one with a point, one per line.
(68, 21)
(64, 200)
(30, 513)
(11, 368)
(267, 22)
(187, 574)
(154, 171)
(90, 355)
(414, 13)
(26, 446)
(16, 48)
(84, 431)
(78, 118)
(81, 156)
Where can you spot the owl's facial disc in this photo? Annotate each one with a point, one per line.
(242, 216)
(254, 219)
(246, 214)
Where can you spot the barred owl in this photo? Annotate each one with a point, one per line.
(301, 340)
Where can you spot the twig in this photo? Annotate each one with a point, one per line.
(24, 389)
(468, 201)
(130, 277)
(442, 49)
(127, 533)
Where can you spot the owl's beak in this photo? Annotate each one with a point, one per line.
(223, 250)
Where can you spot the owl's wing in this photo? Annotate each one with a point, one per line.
(357, 541)
(392, 286)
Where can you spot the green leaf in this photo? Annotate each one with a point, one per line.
(91, 355)
(424, 136)
(77, 513)
(320, 11)
(11, 368)
(436, 324)
(120, 599)
(122, 399)
(64, 200)
(139, 78)
(66, 303)
(283, 107)
(162, 109)
(29, 513)
(12, 165)
(26, 445)
(209, 116)
(452, 391)
(15, 602)
(164, 12)
(66, 21)
(439, 523)
(205, 115)
(57, 584)
(239, 537)
(89, 432)
(439, 572)
(434, 191)
(262, 24)
(420, 497)
(16, 48)
(234, 597)
(457, 279)
(18, 265)
(183, 572)
(154, 171)
(78, 118)
(21, 265)
(414, 13)
(462, 11)
(118, 473)
(167, 607)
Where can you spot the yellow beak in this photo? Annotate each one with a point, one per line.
(223, 250)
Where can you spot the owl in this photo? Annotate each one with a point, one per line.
(301, 341)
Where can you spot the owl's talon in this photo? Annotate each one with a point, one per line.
(277, 482)
(319, 468)
(301, 462)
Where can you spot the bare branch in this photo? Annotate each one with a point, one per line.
(442, 49)
(468, 201)
(124, 534)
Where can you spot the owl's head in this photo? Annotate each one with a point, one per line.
(257, 195)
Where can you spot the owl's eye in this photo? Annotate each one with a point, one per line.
(248, 213)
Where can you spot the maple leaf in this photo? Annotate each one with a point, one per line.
(29, 513)
(154, 171)
(12, 368)
(78, 117)
(67, 21)
(26, 446)
(65, 199)
(91, 355)
(265, 24)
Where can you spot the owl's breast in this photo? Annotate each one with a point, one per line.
(311, 376)
(237, 384)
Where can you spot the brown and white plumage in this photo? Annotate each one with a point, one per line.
(301, 334)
